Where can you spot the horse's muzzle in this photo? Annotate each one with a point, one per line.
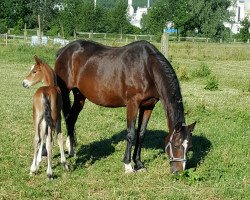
(26, 84)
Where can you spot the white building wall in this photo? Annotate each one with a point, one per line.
(239, 11)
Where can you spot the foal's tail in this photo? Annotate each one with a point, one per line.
(47, 111)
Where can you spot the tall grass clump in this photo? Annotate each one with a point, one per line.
(202, 71)
(212, 83)
(182, 73)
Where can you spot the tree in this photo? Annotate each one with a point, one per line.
(117, 19)
(212, 16)
(14, 12)
(206, 16)
(3, 26)
(158, 15)
(46, 9)
(244, 31)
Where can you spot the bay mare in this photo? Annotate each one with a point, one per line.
(135, 76)
(47, 106)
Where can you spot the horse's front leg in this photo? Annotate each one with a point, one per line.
(76, 108)
(132, 109)
(144, 116)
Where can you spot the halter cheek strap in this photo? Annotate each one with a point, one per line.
(169, 144)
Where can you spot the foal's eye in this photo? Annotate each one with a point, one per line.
(34, 72)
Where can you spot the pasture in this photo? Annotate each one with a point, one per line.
(218, 166)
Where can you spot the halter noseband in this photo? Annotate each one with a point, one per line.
(169, 144)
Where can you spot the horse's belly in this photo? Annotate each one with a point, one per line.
(102, 96)
(106, 100)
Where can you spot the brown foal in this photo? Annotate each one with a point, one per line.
(47, 106)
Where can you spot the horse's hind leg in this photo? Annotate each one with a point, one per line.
(132, 109)
(144, 116)
(60, 143)
(76, 108)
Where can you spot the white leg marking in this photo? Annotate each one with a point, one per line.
(68, 143)
(33, 167)
(49, 144)
(185, 145)
(69, 146)
(39, 155)
(128, 168)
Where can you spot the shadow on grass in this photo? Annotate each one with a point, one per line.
(201, 147)
(154, 139)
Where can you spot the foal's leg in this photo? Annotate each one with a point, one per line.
(76, 108)
(42, 127)
(60, 143)
(37, 143)
(144, 116)
(132, 109)
(49, 144)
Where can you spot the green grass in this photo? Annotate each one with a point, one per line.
(219, 165)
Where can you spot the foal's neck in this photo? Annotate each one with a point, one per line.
(49, 76)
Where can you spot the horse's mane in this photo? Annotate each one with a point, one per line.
(171, 82)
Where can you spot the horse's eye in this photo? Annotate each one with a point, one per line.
(34, 72)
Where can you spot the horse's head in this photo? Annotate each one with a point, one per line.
(180, 141)
(36, 75)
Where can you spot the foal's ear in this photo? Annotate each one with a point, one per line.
(191, 127)
(38, 60)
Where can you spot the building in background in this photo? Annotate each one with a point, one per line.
(239, 11)
(136, 15)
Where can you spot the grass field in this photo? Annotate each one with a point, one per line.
(218, 167)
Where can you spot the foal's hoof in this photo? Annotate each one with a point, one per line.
(66, 167)
(141, 170)
(50, 177)
(32, 173)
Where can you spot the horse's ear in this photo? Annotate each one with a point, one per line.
(191, 127)
(38, 60)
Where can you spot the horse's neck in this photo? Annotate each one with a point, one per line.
(49, 76)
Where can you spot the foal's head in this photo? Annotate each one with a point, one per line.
(37, 73)
(179, 143)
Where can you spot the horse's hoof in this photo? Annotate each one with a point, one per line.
(129, 169)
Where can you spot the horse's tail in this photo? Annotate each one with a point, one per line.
(167, 84)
